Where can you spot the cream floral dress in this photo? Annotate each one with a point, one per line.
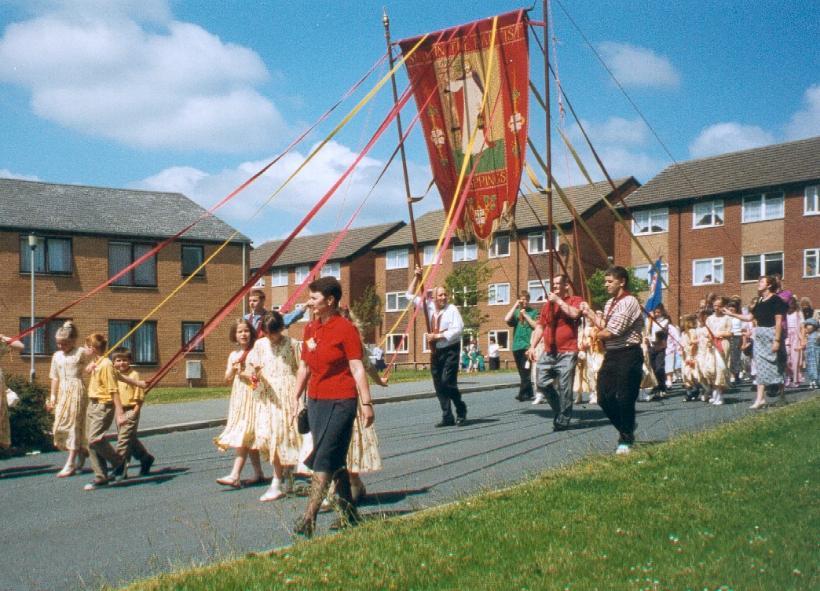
(5, 426)
(712, 363)
(690, 371)
(276, 428)
(72, 401)
(240, 430)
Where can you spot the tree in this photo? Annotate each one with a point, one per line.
(367, 309)
(466, 288)
(598, 293)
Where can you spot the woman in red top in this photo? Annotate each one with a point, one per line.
(332, 371)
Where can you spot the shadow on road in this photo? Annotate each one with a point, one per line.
(156, 477)
(22, 471)
(389, 497)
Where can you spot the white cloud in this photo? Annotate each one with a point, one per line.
(155, 84)
(278, 217)
(615, 130)
(806, 122)
(5, 173)
(728, 137)
(639, 66)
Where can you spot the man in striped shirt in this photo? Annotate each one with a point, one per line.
(619, 379)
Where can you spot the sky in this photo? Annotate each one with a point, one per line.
(196, 96)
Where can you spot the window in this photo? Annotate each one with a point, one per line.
(300, 273)
(396, 301)
(192, 257)
(279, 277)
(425, 346)
(642, 272)
(500, 247)
(397, 258)
(143, 343)
(189, 331)
(650, 221)
(502, 339)
(811, 202)
(707, 214)
(122, 254)
(45, 342)
(767, 206)
(52, 255)
(707, 271)
(537, 242)
(430, 254)
(538, 290)
(757, 265)
(498, 293)
(811, 262)
(331, 270)
(396, 343)
(464, 251)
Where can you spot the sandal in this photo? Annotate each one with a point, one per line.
(66, 472)
(228, 481)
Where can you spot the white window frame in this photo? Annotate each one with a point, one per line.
(812, 192)
(715, 208)
(464, 251)
(714, 261)
(396, 258)
(492, 294)
(540, 240)
(535, 284)
(651, 215)
(396, 296)
(762, 258)
(429, 255)
(495, 333)
(493, 250)
(394, 338)
(279, 277)
(764, 199)
(642, 272)
(815, 252)
(300, 273)
(425, 346)
(333, 269)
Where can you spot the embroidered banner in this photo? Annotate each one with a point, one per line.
(454, 65)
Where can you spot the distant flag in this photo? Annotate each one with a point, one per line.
(655, 297)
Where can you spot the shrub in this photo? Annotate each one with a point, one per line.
(30, 423)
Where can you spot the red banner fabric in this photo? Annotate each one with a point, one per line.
(455, 66)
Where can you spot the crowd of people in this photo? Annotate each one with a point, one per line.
(304, 407)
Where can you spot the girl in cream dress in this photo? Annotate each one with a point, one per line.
(240, 431)
(595, 357)
(715, 368)
(68, 398)
(5, 426)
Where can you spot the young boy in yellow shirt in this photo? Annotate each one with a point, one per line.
(131, 397)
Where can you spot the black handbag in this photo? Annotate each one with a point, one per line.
(302, 421)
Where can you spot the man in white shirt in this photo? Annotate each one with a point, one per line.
(444, 341)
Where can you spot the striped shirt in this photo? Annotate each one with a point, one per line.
(624, 321)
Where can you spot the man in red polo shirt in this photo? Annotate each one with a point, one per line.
(555, 370)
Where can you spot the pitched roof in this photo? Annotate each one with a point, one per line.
(530, 212)
(768, 166)
(30, 205)
(308, 249)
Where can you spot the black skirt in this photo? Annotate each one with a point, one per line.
(331, 426)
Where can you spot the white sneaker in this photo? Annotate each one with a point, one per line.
(623, 449)
(539, 399)
(718, 402)
(274, 492)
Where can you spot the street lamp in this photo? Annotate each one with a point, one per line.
(32, 244)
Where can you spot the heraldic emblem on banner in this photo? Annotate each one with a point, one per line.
(454, 66)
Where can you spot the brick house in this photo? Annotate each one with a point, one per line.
(86, 234)
(721, 222)
(512, 269)
(352, 263)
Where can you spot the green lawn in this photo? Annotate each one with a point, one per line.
(733, 508)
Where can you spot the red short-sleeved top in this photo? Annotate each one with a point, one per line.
(336, 342)
(566, 329)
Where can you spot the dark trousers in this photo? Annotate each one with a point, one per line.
(444, 368)
(658, 360)
(525, 388)
(619, 382)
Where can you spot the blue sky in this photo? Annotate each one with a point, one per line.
(194, 96)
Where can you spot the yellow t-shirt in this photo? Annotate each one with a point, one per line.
(103, 384)
(131, 395)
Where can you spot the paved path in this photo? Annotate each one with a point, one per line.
(55, 536)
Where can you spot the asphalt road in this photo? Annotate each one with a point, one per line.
(56, 536)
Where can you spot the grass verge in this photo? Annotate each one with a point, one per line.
(732, 508)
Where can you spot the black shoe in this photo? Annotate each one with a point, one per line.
(120, 473)
(461, 421)
(446, 423)
(145, 465)
(556, 427)
(304, 527)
